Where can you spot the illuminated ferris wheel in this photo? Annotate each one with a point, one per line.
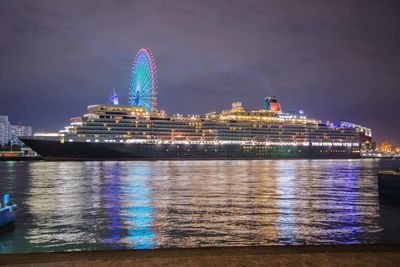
(143, 84)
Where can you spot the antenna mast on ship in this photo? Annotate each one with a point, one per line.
(113, 100)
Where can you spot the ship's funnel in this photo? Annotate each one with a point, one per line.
(271, 103)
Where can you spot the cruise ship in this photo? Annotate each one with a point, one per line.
(140, 131)
(113, 132)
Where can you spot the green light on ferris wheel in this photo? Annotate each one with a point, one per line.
(143, 87)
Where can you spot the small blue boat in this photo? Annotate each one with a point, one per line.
(7, 213)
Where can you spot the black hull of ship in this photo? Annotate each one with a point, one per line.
(55, 150)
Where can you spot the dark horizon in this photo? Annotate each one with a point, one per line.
(335, 60)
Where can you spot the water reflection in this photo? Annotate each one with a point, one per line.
(9, 173)
(142, 205)
(137, 210)
(285, 192)
(113, 204)
(58, 203)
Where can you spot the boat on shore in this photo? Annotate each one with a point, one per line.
(7, 213)
(389, 184)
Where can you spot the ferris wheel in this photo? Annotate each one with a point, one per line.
(143, 84)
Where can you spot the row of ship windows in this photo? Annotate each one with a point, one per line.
(130, 119)
(214, 125)
(183, 125)
(216, 142)
(232, 138)
(185, 122)
(222, 134)
(144, 128)
(201, 122)
(269, 140)
(226, 131)
(211, 123)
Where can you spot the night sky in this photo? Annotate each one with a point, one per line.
(334, 59)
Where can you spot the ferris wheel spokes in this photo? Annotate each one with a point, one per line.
(143, 86)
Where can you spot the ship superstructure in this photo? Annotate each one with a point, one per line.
(232, 133)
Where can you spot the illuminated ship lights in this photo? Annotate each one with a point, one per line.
(220, 142)
(235, 126)
(143, 83)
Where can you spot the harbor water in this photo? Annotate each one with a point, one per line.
(182, 204)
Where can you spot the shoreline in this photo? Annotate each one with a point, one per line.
(27, 158)
(304, 255)
(35, 158)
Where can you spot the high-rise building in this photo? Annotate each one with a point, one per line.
(9, 133)
(4, 130)
(19, 130)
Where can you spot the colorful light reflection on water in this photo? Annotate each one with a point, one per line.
(145, 205)
(138, 211)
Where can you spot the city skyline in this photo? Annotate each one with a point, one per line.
(330, 59)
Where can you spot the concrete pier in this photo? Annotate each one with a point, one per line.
(340, 255)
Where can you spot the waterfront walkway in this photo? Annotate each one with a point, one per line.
(341, 255)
